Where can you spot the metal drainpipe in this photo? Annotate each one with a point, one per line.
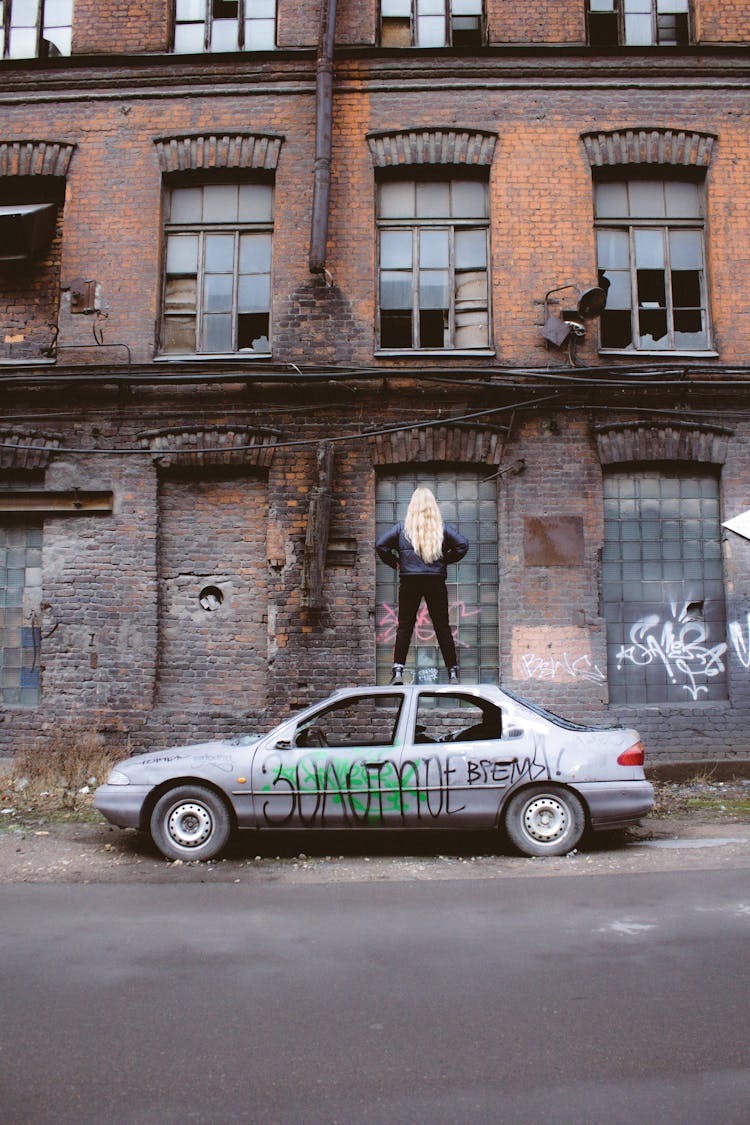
(323, 139)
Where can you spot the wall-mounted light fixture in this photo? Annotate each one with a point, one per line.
(589, 305)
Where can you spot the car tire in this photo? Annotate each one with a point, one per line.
(545, 820)
(189, 823)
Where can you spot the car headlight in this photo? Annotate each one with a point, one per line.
(117, 777)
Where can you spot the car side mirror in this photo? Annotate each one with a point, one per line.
(513, 732)
(282, 745)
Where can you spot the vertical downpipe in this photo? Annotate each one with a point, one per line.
(323, 139)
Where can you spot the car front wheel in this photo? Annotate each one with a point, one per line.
(190, 823)
(545, 820)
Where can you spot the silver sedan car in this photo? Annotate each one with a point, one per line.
(468, 757)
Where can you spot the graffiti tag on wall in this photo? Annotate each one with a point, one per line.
(557, 654)
(424, 634)
(680, 644)
(741, 641)
(564, 667)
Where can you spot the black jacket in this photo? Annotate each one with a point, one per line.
(396, 550)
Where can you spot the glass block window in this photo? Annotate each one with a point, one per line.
(470, 504)
(224, 25)
(663, 588)
(217, 285)
(434, 274)
(431, 23)
(20, 608)
(35, 28)
(651, 258)
(638, 23)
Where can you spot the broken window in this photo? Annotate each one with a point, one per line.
(217, 288)
(650, 253)
(434, 285)
(224, 25)
(638, 23)
(431, 23)
(663, 588)
(35, 28)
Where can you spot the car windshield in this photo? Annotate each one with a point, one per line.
(567, 724)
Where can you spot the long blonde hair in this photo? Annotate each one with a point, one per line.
(423, 525)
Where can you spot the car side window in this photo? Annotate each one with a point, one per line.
(363, 720)
(456, 718)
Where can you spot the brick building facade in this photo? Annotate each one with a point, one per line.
(205, 422)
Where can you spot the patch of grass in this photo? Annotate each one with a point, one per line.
(734, 806)
(729, 800)
(54, 778)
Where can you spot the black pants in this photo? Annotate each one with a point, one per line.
(412, 588)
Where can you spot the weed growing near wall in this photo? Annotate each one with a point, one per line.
(55, 777)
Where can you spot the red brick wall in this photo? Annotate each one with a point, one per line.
(551, 22)
(120, 29)
(720, 21)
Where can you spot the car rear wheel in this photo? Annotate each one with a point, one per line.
(190, 823)
(545, 820)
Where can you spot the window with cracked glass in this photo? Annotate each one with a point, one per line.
(651, 260)
(31, 29)
(217, 278)
(663, 587)
(434, 265)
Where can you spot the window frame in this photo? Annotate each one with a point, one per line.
(243, 6)
(667, 649)
(448, 37)
(619, 20)
(418, 225)
(667, 224)
(468, 500)
(40, 28)
(202, 229)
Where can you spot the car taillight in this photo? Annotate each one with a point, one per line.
(633, 756)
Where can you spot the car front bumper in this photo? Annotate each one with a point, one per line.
(617, 804)
(122, 804)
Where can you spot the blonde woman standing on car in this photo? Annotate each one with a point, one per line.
(421, 548)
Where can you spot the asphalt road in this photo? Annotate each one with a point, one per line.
(596, 997)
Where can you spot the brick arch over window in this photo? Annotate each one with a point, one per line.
(677, 147)
(680, 441)
(35, 158)
(465, 444)
(468, 147)
(22, 449)
(217, 446)
(212, 151)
